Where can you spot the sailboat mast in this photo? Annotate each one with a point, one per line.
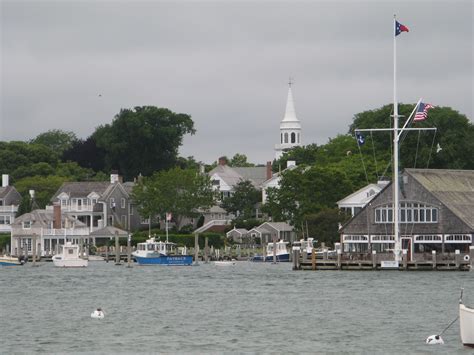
(397, 249)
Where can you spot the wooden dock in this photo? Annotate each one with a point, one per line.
(385, 261)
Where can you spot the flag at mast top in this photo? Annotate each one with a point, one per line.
(399, 28)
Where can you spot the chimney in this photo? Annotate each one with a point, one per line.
(290, 163)
(269, 170)
(222, 161)
(114, 177)
(32, 194)
(4, 180)
(57, 215)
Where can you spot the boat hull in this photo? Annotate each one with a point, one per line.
(179, 260)
(70, 263)
(269, 258)
(466, 324)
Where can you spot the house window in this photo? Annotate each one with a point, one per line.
(122, 203)
(216, 182)
(131, 210)
(63, 202)
(27, 225)
(409, 213)
(5, 219)
(112, 202)
(1, 202)
(145, 221)
(281, 137)
(293, 137)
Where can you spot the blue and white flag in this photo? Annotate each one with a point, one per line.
(360, 139)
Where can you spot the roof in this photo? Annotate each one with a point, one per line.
(364, 199)
(128, 186)
(278, 226)
(45, 217)
(109, 231)
(5, 190)
(82, 189)
(240, 231)
(232, 176)
(453, 188)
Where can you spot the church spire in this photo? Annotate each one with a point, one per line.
(290, 113)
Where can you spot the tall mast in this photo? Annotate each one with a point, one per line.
(396, 232)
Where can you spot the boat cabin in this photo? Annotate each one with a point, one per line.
(164, 248)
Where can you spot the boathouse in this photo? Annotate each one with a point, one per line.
(436, 214)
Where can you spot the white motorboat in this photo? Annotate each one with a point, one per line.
(98, 314)
(69, 257)
(224, 263)
(466, 324)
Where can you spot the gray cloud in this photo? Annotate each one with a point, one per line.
(226, 64)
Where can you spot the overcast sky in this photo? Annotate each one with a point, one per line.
(227, 65)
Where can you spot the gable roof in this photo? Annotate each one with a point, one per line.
(81, 189)
(453, 188)
(6, 190)
(232, 176)
(45, 218)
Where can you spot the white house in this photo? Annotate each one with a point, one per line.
(354, 203)
(274, 180)
(9, 201)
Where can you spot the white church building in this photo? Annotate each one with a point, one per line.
(290, 128)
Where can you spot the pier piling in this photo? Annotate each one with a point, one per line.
(117, 249)
(433, 256)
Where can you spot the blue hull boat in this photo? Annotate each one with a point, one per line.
(165, 260)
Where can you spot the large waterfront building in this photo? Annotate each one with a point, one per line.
(436, 214)
(9, 201)
(290, 128)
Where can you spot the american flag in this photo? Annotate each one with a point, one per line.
(422, 111)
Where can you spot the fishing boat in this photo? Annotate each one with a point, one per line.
(69, 257)
(305, 246)
(12, 261)
(281, 253)
(154, 252)
(466, 324)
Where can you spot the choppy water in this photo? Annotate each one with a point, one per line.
(256, 308)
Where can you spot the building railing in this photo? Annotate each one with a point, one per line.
(11, 208)
(65, 232)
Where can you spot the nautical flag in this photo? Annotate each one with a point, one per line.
(399, 28)
(360, 139)
(422, 111)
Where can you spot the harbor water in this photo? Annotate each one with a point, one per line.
(249, 307)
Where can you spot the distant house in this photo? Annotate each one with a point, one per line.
(436, 213)
(274, 180)
(50, 229)
(10, 199)
(237, 234)
(99, 204)
(354, 203)
(268, 230)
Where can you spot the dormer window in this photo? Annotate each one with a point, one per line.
(27, 225)
(63, 202)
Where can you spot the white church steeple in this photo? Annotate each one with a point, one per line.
(290, 127)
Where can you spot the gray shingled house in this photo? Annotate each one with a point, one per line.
(99, 203)
(436, 213)
(10, 199)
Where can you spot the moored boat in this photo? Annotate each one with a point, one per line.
(12, 261)
(69, 257)
(281, 253)
(224, 263)
(154, 252)
(466, 324)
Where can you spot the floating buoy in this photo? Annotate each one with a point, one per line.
(466, 257)
(434, 340)
(98, 314)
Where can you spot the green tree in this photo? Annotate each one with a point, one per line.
(180, 192)
(143, 140)
(20, 154)
(304, 155)
(324, 225)
(243, 200)
(57, 140)
(44, 187)
(240, 161)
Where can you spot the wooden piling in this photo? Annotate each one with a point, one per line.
(457, 258)
(313, 258)
(471, 258)
(117, 249)
(433, 258)
(34, 249)
(106, 253)
(206, 249)
(274, 250)
(405, 259)
(196, 249)
(129, 251)
(339, 257)
(374, 259)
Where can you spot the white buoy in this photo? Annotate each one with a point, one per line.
(434, 340)
(98, 314)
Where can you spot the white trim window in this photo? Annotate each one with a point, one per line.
(458, 238)
(122, 203)
(145, 221)
(428, 238)
(112, 202)
(5, 219)
(409, 213)
(26, 224)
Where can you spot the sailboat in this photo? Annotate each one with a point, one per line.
(466, 323)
